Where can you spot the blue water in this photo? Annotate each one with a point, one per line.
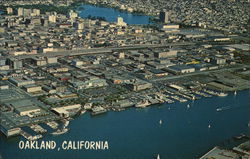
(137, 134)
(111, 14)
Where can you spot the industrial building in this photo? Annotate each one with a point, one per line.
(32, 88)
(180, 69)
(7, 127)
(166, 54)
(24, 107)
(15, 63)
(67, 111)
(21, 81)
(139, 85)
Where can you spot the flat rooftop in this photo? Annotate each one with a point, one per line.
(218, 153)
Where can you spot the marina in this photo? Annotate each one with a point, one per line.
(38, 129)
(201, 118)
(52, 124)
(30, 137)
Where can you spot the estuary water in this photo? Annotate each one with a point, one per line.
(111, 14)
(137, 134)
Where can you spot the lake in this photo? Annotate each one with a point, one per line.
(111, 14)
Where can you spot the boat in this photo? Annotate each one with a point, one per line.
(98, 110)
(36, 137)
(222, 109)
(241, 136)
(160, 122)
(142, 104)
(219, 109)
(60, 131)
(209, 126)
(158, 156)
(235, 93)
(82, 112)
(66, 124)
(222, 94)
(248, 124)
(188, 106)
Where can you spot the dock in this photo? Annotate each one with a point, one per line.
(30, 137)
(52, 124)
(38, 129)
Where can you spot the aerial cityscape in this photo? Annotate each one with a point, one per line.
(125, 79)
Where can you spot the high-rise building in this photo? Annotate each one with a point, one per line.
(20, 12)
(27, 12)
(79, 25)
(9, 10)
(52, 18)
(15, 63)
(72, 14)
(120, 21)
(35, 12)
(164, 17)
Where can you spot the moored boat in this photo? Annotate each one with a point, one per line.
(98, 110)
(60, 131)
(142, 104)
(222, 94)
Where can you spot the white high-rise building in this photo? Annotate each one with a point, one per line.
(120, 22)
(72, 14)
(52, 18)
(20, 12)
(164, 17)
(35, 12)
(27, 12)
(9, 10)
(80, 26)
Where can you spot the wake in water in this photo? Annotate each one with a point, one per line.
(230, 108)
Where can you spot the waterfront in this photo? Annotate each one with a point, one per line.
(111, 14)
(136, 133)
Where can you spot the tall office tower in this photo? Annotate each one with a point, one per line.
(72, 14)
(52, 18)
(164, 17)
(9, 10)
(79, 25)
(120, 21)
(36, 12)
(20, 12)
(15, 63)
(27, 12)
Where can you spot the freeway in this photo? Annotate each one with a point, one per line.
(99, 50)
(239, 66)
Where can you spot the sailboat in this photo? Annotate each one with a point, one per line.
(160, 122)
(188, 106)
(158, 156)
(209, 126)
(66, 123)
(235, 93)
